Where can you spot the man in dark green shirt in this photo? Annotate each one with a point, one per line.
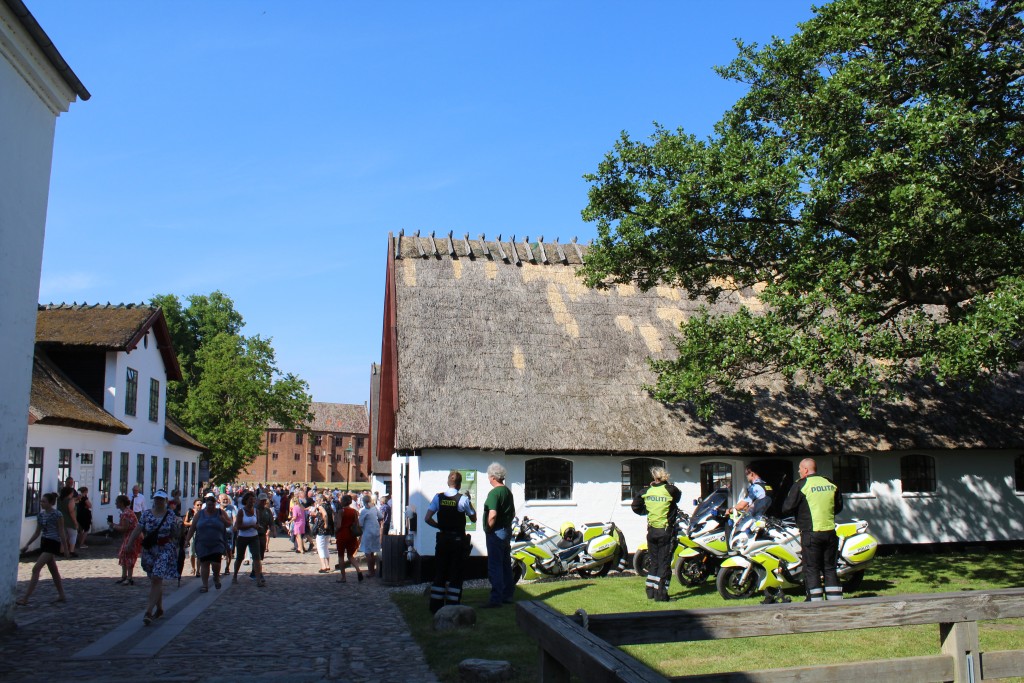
(499, 510)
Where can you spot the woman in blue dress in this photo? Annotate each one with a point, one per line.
(159, 561)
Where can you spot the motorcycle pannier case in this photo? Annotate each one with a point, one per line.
(602, 547)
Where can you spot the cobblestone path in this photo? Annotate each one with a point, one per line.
(240, 632)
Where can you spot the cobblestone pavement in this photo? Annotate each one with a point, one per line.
(240, 632)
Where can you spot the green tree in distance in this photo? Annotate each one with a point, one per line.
(868, 186)
(232, 387)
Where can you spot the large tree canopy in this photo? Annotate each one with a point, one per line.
(869, 186)
(232, 387)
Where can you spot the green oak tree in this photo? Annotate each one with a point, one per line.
(869, 186)
(232, 387)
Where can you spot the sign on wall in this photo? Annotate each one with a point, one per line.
(469, 488)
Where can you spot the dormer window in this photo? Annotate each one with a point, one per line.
(131, 392)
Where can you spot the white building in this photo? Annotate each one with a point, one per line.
(97, 411)
(494, 351)
(36, 86)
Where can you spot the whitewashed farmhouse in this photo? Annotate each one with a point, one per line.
(97, 412)
(496, 351)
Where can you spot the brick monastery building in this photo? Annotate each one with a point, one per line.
(334, 449)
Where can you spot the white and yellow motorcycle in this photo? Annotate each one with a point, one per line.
(591, 550)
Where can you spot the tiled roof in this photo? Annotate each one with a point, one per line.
(349, 418)
(56, 400)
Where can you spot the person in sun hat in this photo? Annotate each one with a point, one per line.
(160, 561)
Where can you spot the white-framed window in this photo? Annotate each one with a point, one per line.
(549, 479)
(852, 473)
(636, 474)
(714, 476)
(917, 473)
(1018, 474)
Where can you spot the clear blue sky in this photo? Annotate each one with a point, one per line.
(266, 148)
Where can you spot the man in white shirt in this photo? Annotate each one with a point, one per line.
(138, 501)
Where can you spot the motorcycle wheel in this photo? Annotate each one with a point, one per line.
(851, 582)
(642, 563)
(518, 571)
(729, 586)
(692, 571)
(597, 571)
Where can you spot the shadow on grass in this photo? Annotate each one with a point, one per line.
(556, 589)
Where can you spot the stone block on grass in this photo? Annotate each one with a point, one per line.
(485, 670)
(451, 617)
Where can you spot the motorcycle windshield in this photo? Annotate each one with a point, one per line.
(710, 506)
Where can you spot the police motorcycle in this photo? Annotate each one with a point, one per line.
(592, 550)
(767, 556)
(701, 544)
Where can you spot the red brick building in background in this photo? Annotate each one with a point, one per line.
(334, 448)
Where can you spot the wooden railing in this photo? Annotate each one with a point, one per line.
(587, 645)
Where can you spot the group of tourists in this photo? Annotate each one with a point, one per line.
(217, 534)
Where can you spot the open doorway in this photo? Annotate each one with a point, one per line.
(779, 475)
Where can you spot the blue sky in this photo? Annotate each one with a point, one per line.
(266, 149)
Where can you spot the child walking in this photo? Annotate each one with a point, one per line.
(50, 524)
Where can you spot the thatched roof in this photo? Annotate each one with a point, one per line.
(500, 346)
(105, 327)
(174, 433)
(56, 400)
(349, 418)
(377, 466)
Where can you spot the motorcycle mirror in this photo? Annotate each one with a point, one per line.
(696, 501)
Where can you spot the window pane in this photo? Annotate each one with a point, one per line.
(63, 467)
(636, 474)
(123, 485)
(154, 400)
(851, 473)
(167, 474)
(1018, 474)
(549, 479)
(152, 474)
(917, 473)
(131, 391)
(140, 472)
(714, 476)
(106, 467)
(33, 481)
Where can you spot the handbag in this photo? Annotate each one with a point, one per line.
(151, 538)
(355, 529)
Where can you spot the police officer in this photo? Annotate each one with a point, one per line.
(757, 497)
(451, 548)
(659, 502)
(816, 500)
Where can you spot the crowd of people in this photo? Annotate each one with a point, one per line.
(227, 528)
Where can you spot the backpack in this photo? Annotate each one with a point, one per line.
(330, 519)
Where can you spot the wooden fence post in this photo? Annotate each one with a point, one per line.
(960, 641)
(552, 670)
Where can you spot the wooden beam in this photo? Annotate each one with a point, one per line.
(469, 248)
(1002, 664)
(931, 668)
(807, 617)
(451, 244)
(561, 254)
(483, 245)
(578, 650)
(960, 641)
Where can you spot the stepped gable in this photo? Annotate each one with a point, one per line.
(56, 400)
(108, 327)
(499, 345)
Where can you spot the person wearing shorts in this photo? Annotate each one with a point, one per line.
(49, 524)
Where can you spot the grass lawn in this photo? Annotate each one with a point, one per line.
(497, 637)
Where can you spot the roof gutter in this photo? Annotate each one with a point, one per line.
(47, 47)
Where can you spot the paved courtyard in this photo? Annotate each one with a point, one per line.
(240, 632)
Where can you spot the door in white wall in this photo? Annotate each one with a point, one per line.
(87, 472)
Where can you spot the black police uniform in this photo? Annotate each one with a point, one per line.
(660, 503)
(450, 551)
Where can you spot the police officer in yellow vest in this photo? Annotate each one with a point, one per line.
(659, 502)
(816, 500)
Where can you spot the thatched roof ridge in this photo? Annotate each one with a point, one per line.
(107, 327)
(496, 355)
(56, 400)
(348, 418)
(513, 250)
(175, 434)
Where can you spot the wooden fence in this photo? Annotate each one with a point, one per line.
(587, 646)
